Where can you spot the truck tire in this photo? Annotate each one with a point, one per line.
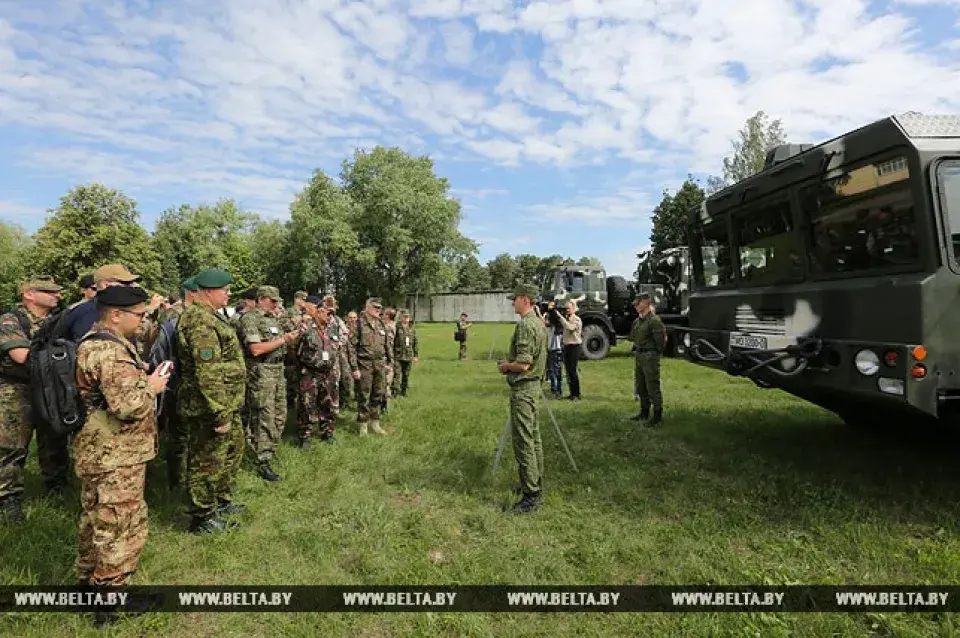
(596, 343)
(618, 293)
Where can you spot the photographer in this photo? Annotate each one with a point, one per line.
(572, 340)
(554, 350)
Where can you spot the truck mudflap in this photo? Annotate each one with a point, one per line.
(831, 373)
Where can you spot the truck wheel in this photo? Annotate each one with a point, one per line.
(596, 343)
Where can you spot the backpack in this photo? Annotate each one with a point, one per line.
(53, 376)
(165, 349)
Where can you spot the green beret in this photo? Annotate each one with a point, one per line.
(212, 278)
(525, 290)
(190, 283)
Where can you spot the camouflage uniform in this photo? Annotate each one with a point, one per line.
(461, 327)
(346, 379)
(211, 393)
(16, 426)
(529, 345)
(110, 453)
(406, 349)
(266, 385)
(340, 335)
(369, 356)
(649, 340)
(391, 327)
(290, 320)
(319, 378)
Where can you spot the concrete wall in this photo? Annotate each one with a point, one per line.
(489, 306)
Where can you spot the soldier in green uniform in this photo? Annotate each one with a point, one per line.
(406, 353)
(39, 297)
(389, 322)
(209, 400)
(524, 369)
(368, 363)
(111, 451)
(649, 339)
(265, 345)
(319, 374)
(172, 427)
(291, 319)
(340, 336)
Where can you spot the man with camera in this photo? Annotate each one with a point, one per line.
(572, 343)
(554, 350)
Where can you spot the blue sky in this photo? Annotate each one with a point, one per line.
(558, 123)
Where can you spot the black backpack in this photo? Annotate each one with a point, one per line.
(53, 376)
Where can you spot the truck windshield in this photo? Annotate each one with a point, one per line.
(948, 179)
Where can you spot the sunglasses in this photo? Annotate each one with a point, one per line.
(130, 312)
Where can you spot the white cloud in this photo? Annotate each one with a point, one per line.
(17, 209)
(174, 94)
(627, 207)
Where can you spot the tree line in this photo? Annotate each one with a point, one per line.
(504, 271)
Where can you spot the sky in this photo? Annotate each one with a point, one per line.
(558, 123)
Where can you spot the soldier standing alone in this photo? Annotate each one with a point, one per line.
(209, 400)
(369, 360)
(524, 369)
(649, 339)
(111, 451)
(265, 346)
(406, 351)
(462, 326)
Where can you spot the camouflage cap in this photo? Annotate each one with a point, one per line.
(300, 294)
(43, 284)
(213, 278)
(270, 292)
(524, 290)
(115, 272)
(375, 302)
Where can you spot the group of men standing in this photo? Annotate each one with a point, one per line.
(224, 393)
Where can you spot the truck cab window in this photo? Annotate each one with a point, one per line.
(862, 220)
(767, 244)
(948, 183)
(715, 261)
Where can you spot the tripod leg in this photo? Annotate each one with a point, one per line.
(503, 443)
(556, 426)
(490, 354)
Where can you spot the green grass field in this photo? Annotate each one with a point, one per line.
(740, 486)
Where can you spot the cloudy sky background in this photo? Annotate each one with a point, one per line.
(558, 123)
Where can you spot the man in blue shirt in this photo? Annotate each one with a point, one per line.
(81, 317)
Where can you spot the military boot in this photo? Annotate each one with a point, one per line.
(362, 426)
(13, 509)
(229, 508)
(643, 414)
(266, 472)
(657, 418)
(304, 443)
(376, 429)
(208, 524)
(529, 503)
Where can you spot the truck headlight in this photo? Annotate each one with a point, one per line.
(867, 362)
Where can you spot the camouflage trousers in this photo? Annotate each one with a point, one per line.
(647, 379)
(175, 433)
(401, 377)
(346, 378)
(388, 381)
(317, 411)
(16, 430)
(370, 390)
(213, 460)
(527, 446)
(113, 525)
(463, 350)
(335, 375)
(266, 408)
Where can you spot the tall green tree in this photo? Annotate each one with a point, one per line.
(503, 271)
(14, 248)
(407, 222)
(325, 251)
(547, 264)
(93, 225)
(191, 238)
(471, 276)
(589, 261)
(527, 266)
(670, 217)
(270, 244)
(758, 136)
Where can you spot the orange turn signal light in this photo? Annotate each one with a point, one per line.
(918, 371)
(919, 353)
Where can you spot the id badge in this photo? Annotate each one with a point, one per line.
(274, 330)
(407, 340)
(335, 338)
(325, 356)
(383, 332)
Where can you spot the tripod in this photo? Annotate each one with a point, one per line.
(556, 427)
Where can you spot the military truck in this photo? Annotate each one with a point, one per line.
(603, 304)
(666, 277)
(834, 274)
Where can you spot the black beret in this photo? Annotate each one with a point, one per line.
(121, 296)
(314, 300)
(86, 281)
(250, 293)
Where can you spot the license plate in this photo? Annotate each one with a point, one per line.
(748, 341)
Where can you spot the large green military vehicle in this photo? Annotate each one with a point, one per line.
(605, 304)
(834, 274)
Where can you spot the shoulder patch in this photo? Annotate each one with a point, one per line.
(206, 354)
